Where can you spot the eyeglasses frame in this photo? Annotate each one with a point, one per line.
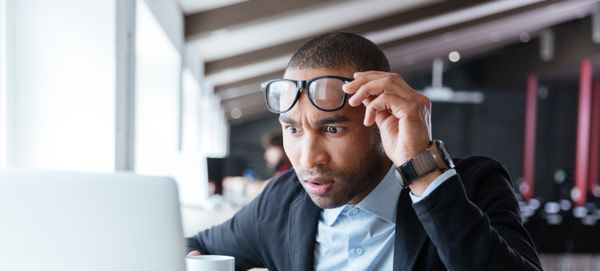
(300, 85)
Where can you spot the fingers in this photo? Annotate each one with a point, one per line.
(372, 115)
(375, 83)
(386, 94)
(360, 78)
(380, 108)
(194, 253)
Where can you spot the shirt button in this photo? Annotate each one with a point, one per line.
(353, 211)
(359, 251)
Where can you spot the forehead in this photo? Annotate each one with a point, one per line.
(304, 108)
(305, 74)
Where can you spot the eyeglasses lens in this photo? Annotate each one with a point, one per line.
(327, 93)
(280, 95)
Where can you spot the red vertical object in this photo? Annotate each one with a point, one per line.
(595, 138)
(530, 129)
(579, 193)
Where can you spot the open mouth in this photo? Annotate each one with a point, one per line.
(319, 186)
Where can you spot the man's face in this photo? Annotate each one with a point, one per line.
(338, 160)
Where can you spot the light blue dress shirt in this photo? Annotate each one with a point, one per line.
(361, 236)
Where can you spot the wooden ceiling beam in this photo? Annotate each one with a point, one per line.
(400, 18)
(206, 22)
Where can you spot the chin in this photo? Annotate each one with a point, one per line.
(325, 202)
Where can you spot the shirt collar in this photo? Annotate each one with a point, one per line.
(380, 202)
(329, 216)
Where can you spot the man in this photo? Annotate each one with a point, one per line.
(350, 127)
(274, 154)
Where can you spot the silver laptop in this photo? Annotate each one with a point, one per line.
(58, 221)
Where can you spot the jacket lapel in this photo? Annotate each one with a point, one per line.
(410, 235)
(304, 218)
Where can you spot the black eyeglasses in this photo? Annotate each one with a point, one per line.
(324, 92)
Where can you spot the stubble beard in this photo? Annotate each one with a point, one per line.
(348, 184)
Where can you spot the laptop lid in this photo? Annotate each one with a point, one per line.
(82, 221)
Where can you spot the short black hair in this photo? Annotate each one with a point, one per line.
(340, 50)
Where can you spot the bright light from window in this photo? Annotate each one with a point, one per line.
(191, 105)
(190, 167)
(62, 88)
(3, 85)
(157, 96)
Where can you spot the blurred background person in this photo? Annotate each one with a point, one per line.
(277, 161)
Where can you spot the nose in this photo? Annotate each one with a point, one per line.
(314, 152)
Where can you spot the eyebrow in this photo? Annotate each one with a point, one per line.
(331, 120)
(324, 121)
(287, 120)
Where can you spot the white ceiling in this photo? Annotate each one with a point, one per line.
(195, 6)
(289, 27)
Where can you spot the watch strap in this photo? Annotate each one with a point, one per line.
(424, 162)
(420, 165)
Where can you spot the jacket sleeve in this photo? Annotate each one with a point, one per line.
(482, 231)
(237, 237)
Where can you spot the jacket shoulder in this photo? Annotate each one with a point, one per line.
(477, 167)
(278, 196)
(483, 176)
(285, 185)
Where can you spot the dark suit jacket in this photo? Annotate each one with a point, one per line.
(470, 222)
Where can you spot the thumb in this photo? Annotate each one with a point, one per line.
(194, 253)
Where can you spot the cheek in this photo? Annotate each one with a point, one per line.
(344, 153)
(290, 149)
(348, 152)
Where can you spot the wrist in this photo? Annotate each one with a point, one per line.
(409, 153)
(424, 167)
(418, 186)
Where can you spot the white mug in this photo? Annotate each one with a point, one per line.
(210, 263)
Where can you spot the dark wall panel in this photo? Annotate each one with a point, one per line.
(245, 142)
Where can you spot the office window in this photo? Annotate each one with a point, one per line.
(3, 86)
(62, 80)
(189, 168)
(158, 67)
(190, 135)
(214, 126)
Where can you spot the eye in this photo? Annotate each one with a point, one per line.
(333, 129)
(292, 129)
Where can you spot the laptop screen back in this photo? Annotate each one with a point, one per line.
(81, 221)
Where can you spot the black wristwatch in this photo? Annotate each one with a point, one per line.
(435, 157)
